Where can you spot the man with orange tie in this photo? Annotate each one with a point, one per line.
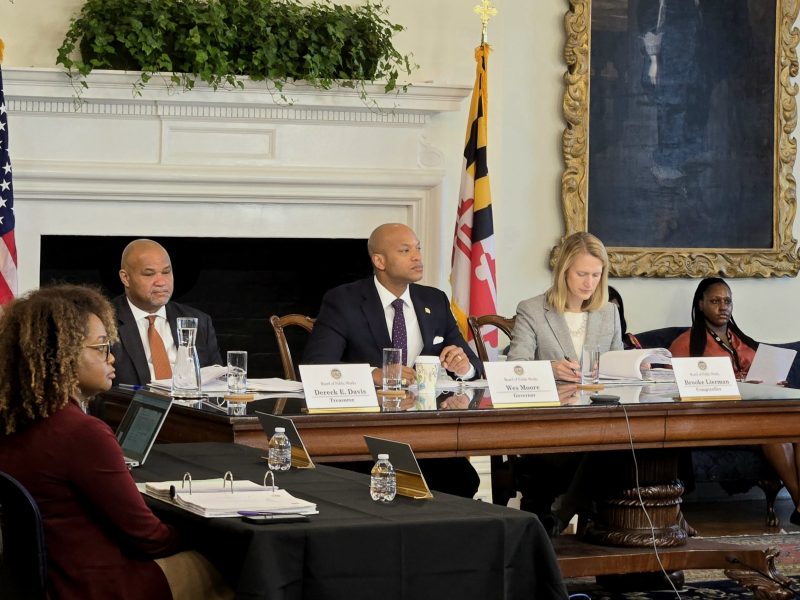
(146, 319)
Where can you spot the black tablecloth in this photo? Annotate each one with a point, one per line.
(355, 548)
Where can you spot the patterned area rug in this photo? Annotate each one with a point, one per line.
(710, 584)
(712, 590)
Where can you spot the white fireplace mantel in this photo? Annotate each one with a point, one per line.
(226, 163)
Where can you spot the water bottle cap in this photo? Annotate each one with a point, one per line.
(280, 429)
(383, 457)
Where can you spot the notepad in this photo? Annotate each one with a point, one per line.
(208, 498)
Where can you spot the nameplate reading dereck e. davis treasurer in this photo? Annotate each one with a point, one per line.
(523, 383)
(705, 378)
(339, 388)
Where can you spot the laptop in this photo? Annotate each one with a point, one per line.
(140, 426)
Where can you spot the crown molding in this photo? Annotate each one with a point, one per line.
(112, 93)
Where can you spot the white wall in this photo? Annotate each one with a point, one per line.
(526, 71)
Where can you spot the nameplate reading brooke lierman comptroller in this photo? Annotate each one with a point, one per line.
(705, 378)
(521, 383)
(339, 388)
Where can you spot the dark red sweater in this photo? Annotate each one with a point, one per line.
(101, 537)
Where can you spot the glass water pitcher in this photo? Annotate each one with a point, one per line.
(186, 370)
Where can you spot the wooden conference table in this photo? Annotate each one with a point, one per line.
(456, 426)
(650, 419)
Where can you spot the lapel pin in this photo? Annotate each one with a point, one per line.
(427, 310)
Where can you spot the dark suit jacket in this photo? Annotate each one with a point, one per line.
(129, 357)
(351, 326)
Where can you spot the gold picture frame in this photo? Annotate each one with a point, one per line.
(778, 257)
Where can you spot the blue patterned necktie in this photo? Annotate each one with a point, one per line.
(399, 337)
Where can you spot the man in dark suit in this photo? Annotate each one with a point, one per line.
(146, 318)
(357, 320)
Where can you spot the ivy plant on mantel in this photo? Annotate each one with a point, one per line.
(220, 41)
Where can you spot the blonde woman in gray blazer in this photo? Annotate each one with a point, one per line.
(555, 326)
(573, 313)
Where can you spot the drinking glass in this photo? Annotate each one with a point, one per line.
(392, 368)
(590, 364)
(237, 371)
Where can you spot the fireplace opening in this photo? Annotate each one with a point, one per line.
(240, 282)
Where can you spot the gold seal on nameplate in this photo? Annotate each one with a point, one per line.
(518, 370)
(336, 373)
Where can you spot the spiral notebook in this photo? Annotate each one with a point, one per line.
(139, 427)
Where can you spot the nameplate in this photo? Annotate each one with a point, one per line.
(516, 384)
(339, 388)
(705, 378)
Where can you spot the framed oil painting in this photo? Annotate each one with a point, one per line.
(678, 147)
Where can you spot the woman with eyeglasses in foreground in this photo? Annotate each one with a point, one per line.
(715, 333)
(103, 542)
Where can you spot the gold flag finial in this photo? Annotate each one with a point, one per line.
(2, 47)
(485, 10)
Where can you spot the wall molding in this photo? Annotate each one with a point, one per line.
(111, 93)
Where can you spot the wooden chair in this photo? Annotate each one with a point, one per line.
(504, 324)
(279, 324)
(23, 558)
(502, 476)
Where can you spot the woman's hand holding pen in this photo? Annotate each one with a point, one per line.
(566, 370)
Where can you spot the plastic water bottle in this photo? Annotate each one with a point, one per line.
(383, 481)
(280, 451)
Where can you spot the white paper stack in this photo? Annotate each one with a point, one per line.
(164, 490)
(227, 504)
(627, 365)
(213, 380)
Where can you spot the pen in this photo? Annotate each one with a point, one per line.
(261, 513)
(127, 386)
(569, 359)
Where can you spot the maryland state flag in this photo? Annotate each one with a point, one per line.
(472, 275)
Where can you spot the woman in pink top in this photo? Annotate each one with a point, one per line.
(715, 333)
(102, 539)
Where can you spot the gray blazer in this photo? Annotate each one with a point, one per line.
(540, 332)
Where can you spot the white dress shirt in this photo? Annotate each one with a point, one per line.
(162, 326)
(413, 333)
(415, 344)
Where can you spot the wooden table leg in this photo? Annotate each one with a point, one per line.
(620, 519)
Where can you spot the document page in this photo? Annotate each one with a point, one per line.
(771, 364)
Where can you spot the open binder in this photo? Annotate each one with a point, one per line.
(226, 498)
(627, 365)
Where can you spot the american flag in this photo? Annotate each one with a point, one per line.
(473, 274)
(8, 249)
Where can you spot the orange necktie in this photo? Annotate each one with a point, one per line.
(158, 351)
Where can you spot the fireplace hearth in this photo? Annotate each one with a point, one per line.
(240, 282)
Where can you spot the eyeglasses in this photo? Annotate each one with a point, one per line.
(104, 349)
(718, 301)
